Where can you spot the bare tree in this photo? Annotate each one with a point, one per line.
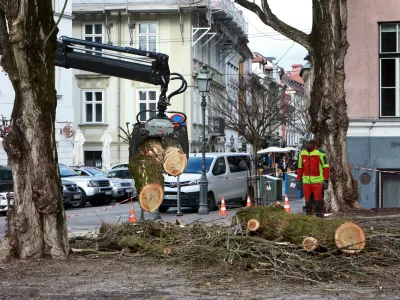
(327, 45)
(298, 118)
(38, 223)
(252, 106)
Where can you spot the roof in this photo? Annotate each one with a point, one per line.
(306, 67)
(271, 58)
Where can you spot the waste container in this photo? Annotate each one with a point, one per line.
(291, 187)
(271, 189)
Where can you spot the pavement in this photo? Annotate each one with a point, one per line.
(88, 219)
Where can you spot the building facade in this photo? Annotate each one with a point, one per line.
(213, 33)
(64, 93)
(373, 97)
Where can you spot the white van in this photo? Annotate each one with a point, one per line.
(228, 176)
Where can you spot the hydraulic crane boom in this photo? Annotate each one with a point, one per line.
(133, 64)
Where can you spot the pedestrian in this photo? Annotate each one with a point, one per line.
(313, 170)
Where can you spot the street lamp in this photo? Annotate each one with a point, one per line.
(204, 83)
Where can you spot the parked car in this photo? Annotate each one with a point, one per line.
(122, 188)
(227, 175)
(123, 173)
(120, 165)
(72, 195)
(95, 190)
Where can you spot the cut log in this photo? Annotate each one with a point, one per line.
(147, 164)
(253, 225)
(310, 243)
(350, 238)
(175, 159)
(276, 223)
(146, 168)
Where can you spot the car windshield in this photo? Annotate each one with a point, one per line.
(194, 164)
(97, 172)
(66, 172)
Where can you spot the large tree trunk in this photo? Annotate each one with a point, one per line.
(327, 45)
(328, 108)
(38, 223)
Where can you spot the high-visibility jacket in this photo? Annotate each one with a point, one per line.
(313, 166)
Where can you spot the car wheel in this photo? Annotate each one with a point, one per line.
(83, 200)
(211, 202)
(163, 209)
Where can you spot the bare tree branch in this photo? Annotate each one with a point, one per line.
(58, 21)
(267, 17)
(260, 111)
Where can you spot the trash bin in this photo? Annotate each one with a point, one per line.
(272, 188)
(291, 187)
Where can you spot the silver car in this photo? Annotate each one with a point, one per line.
(122, 188)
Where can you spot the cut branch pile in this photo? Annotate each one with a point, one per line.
(236, 247)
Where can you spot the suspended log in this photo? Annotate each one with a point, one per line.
(151, 157)
(175, 159)
(253, 225)
(350, 238)
(310, 243)
(276, 223)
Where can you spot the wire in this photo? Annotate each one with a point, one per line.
(285, 53)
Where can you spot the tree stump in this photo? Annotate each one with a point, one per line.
(310, 243)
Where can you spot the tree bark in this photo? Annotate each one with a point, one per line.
(328, 107)
(327, 45)
(38, 223)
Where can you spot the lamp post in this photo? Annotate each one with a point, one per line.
(204, 83)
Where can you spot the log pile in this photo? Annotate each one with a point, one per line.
(152, 157)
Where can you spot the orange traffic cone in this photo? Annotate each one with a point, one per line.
(132, 217)
(248, 203)
(222, 211)
(286, 204)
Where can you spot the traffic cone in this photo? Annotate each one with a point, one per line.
(132, 217)
(222, 210)
(286, 205)
(248, 203)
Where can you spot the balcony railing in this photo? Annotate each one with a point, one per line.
(218, 7)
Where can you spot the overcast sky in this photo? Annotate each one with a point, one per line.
(269, 42)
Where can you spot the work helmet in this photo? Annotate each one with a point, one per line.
(309, 137)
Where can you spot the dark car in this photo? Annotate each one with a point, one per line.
(72, 195)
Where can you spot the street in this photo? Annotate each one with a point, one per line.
(88, 219)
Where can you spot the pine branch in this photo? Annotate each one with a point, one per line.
(267, 17)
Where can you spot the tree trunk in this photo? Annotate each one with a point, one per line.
(147, 164)
(328, 108)
(38, 223)
(254, 178)
(275, 223)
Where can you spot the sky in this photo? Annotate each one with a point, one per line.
(266, 41)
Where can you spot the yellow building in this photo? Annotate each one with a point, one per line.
(208, 32)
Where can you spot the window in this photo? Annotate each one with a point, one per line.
(147, 36)
(93, 106)
(219, 167)
(93, 33)
(93, 159)
(147, 100)
(238, 163)
(389, 57)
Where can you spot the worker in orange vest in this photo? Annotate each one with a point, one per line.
(313, 171)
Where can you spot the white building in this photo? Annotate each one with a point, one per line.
(65, 109)
(192, 34)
